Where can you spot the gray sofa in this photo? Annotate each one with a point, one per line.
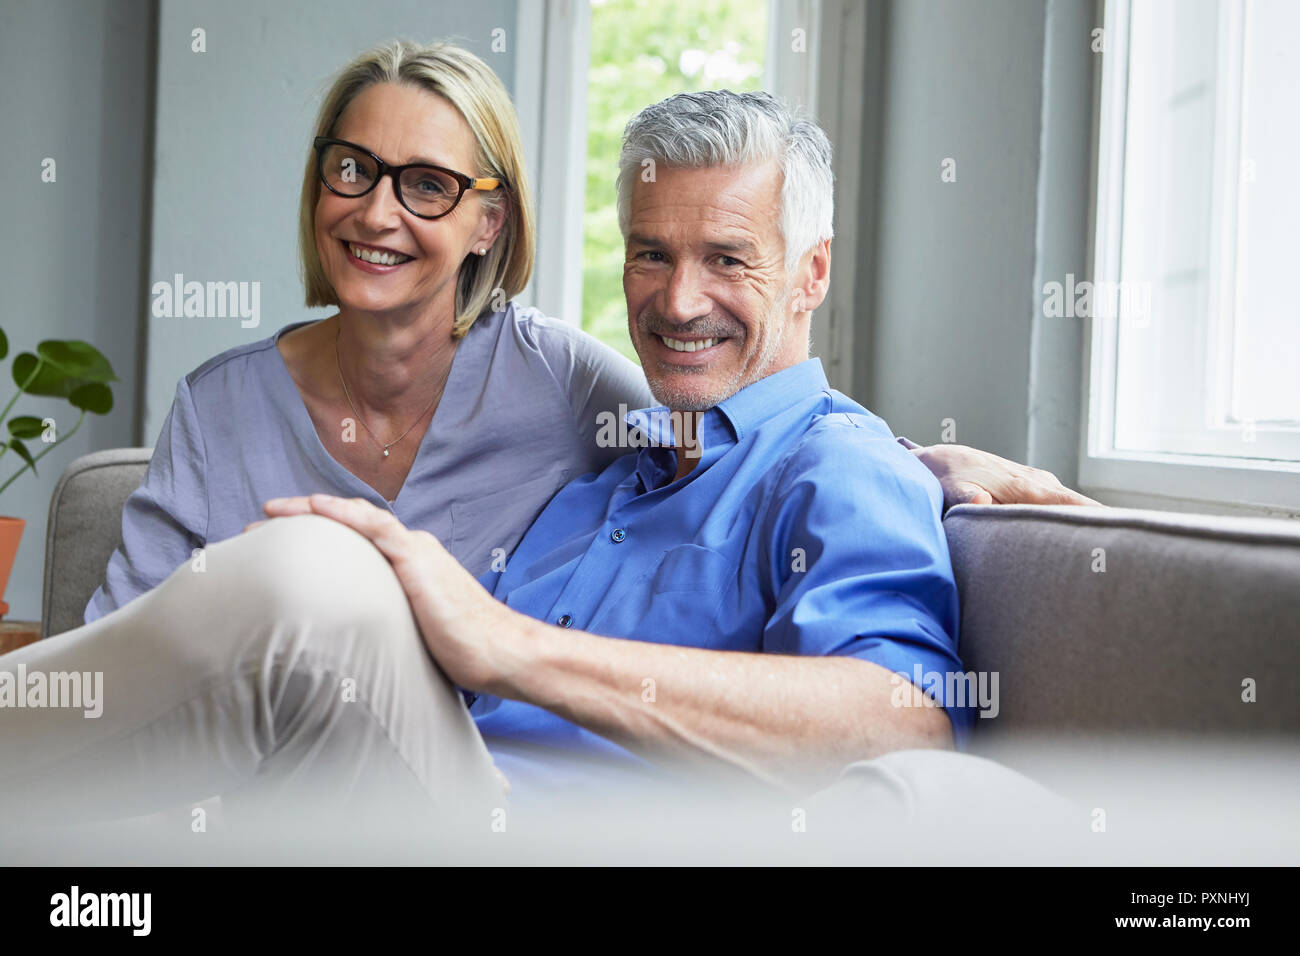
(1186, 609)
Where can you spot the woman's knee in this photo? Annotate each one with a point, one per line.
(311, 566)
(306, 569)
(299, 592)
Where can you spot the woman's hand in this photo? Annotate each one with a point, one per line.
(465, 628)
(970, 476)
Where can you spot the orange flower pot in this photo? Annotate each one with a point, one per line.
(11, 533)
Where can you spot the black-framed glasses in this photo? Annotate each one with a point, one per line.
(427, 191)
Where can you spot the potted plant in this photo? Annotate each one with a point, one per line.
(72, 370)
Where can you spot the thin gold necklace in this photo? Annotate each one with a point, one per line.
(386, 445)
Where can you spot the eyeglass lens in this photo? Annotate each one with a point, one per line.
(351, 172)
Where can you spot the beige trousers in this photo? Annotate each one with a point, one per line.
(281, 669)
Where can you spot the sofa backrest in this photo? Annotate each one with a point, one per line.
(84, 528)
(1099, 619)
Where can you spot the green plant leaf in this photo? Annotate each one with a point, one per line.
(93, 397)
(23, 453)
(49, 380)
(78, 359)
(4, 344)
(25, 426)
(56, 382)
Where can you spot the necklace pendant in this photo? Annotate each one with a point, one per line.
(385, 451)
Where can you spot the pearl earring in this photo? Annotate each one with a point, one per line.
(482, 252)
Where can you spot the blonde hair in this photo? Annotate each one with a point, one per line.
(476, 91)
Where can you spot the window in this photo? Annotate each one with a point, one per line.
(642, 52)
(1194, 386)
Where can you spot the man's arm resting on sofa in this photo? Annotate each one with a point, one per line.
(970, 476)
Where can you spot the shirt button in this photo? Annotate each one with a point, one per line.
(617, 535)
(566, 620)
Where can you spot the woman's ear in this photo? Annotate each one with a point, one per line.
(492, 222)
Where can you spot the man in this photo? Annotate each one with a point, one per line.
(742, 594)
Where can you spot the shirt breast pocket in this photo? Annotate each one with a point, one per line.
(689, 567)
(683, 597)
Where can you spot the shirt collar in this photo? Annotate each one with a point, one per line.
(728, 421)
(768, 397)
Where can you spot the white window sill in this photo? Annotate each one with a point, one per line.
(1193, 483)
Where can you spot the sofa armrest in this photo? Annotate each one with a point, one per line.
(1105, 620)
(84, 528)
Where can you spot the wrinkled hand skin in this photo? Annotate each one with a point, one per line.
(970, 476)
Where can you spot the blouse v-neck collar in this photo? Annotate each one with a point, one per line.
(295, 409)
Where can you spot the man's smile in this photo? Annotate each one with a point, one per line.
(695, 351)
(695, 344)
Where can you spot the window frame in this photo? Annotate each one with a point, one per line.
(553, 53)
(1264, 485)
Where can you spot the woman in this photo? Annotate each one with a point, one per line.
(429, 394)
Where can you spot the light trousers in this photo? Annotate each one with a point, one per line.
(282, 669)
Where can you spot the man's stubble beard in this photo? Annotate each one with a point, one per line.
(680, 400)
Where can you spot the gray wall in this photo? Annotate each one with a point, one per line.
(953, 327)
(246, 106)
(76, 82)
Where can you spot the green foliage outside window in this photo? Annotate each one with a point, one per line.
(642, 52)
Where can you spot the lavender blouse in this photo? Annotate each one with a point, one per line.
(517, 421)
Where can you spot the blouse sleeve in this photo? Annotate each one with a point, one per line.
(600, 384)
(163, 520)
(603, 383)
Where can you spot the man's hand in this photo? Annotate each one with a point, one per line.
(464, 627)
(970, 476)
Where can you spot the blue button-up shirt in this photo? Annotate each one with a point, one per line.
(804, 529)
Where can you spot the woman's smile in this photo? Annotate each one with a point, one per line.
(375, 259)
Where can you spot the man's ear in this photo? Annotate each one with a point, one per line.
(815, 278)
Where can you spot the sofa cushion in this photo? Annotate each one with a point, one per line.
(1187, 608)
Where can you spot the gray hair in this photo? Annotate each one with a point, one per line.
(722, 128)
